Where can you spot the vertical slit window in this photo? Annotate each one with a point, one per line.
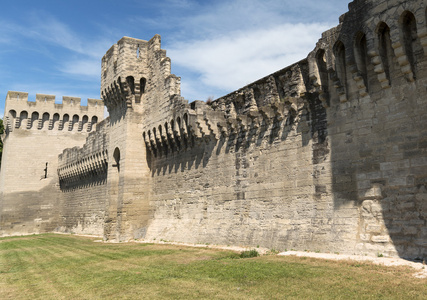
(361, 57)
(386, 51)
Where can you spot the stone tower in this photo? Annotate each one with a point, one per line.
(35, 134)
(136, 86)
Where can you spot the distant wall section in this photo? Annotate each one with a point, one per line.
(35, 134)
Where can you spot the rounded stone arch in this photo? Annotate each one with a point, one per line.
(23, 115)
(12, 113)
(130, 80)
(11, 117)
(34, 119)
(45, 120)
(85, 122)
(75, 121)
(55, 121)
(23, 119)
(65, 120)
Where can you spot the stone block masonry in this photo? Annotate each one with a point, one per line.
(328, 154)
(35, 134)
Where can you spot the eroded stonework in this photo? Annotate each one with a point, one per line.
(328, 154)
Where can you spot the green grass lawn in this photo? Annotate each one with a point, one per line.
(52, 266)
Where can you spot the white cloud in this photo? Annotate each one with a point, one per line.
(84, 67)
(224, 45)
(239, 58)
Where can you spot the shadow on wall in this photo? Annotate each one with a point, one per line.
(378, 145)
(30, 212)
(192, 152)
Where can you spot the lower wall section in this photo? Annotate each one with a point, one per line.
(30, 212)
(84, 209)
(261, 187)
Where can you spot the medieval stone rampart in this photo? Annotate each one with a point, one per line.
(328, 154)
(35, 134)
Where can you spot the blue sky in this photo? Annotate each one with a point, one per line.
(55, 46)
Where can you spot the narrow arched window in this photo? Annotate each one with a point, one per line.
(386, 51)
(142, 83)
(410, 38)
(361, 56)
(34, 119)
(45, 120)
(75, 121)
(55, 121)
(85, 121)
(116, 156)
(322, 68)
(131, 83)
(340, 64)
(65, 120)
(23, 118)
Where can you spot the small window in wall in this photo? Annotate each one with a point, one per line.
(75, 121)
(23, 115)
(34, 119)
(386, 51)
(409, 31)
(142, 83)
(55, 121)
(322, 67)
(361, 56)
(45, 120)
(116, 156)
(340, 63)
(131, 83)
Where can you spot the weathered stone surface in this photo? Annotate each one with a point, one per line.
(327, 154)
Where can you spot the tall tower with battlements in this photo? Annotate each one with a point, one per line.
(137, 87)
(36, 132)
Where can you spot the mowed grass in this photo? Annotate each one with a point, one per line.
(52, 266)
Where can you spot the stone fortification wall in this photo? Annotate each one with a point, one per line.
(250, 169)
(82, 176)
(35, 134)
(371, 73)
(328, 154)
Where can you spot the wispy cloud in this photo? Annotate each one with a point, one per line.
(82, 67)
(239, 58)
(45, 28)
(229, 44)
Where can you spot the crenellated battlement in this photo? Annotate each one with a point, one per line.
(136, 71)
(376, 45)
(45, 114)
